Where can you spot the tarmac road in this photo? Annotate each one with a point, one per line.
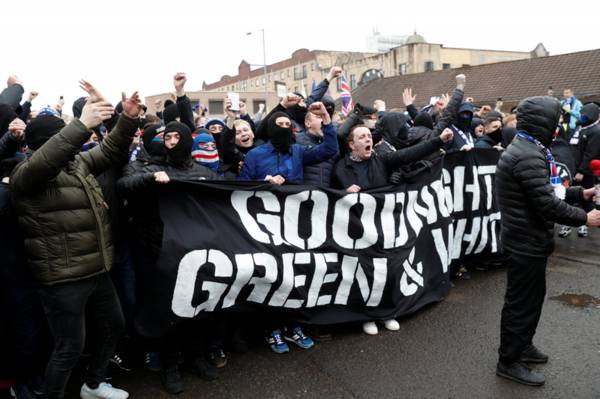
(448, 350)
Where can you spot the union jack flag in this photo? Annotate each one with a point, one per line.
(345, 95)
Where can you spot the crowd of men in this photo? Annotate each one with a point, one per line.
(79, 224)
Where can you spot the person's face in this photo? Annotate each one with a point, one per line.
(550, 92)
(171, 139)
(478, 130)
(370, 121)
(469, 100)
(283, 121)
(567, 93)
(493, 126)
(210, 146)
(215, 128)
(244, 136)
(313, 123)
(361, 144)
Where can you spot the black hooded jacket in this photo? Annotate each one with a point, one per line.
(394, 128)
(589, 141)
(523, 190)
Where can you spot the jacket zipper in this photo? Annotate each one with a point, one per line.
(94, 204)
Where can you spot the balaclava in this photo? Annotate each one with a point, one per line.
(280, 137)
(154, 145)
(208, 158)
(181, 154)
(40, 129)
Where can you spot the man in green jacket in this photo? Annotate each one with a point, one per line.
(68, 242)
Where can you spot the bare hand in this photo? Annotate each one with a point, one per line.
(461, 80)
(407, 97)
(94, 113)
(161, 177)
(466, 148)
(334, 72)
(277, 180)
(17, 129)
(179, 82)
(13, 80)
(578, 177)
(95, 95)
(290, 101)
(447, 135)
(353, 189)
(318, 108)
(132, 107)
(379, 105)
(593, 218)
(32, 96)
(589, 193)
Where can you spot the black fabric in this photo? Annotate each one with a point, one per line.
(589, 114)
(523, 301)
(181, 154)
(361, 169)
(67, 305)
(40, 129)
(524, 193)
(394, 127)
(424, 119)
(280, 137)
(318, 174)
(170, 113)
(538, 116)
(156, 148)
(78, 106)
(297, 113)
(508, 134)
(7, 115)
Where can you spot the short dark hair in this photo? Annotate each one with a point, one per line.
(352, 130)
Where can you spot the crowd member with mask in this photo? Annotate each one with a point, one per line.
(463, 139)
(492, 134)
(204, 151)
(527, 193)
(362, 169)
(66, 256)
(280, 160)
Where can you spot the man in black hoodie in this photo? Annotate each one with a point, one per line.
(528, 197)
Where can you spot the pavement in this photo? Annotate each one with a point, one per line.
(447, 350)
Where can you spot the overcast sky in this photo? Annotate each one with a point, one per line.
(139, 45)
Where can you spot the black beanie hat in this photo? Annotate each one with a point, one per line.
(78, 106)
(40, 129)
(424, 119)
(170, 113)
(182, 152)
(329, 104)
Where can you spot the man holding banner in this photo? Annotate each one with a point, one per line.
(530, 197)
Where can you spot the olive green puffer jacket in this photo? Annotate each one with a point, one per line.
(62, 213)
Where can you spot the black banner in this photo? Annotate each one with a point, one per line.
(324, 256)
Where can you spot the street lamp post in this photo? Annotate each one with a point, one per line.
(264, 65)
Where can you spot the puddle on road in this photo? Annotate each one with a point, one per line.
(579, 300)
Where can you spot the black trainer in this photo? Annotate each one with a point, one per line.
(217, 357)
(172, 381)
(118, 362)
(531, 354)
(520, 373)
(204, 369)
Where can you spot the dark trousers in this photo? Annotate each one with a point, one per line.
(66, 306)
(525, 291)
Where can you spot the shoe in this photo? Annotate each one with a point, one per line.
(392, 325)
(564, 231)
(120, 363)
(204, 369)
(21, 391)
(531, 354)
(319, 334)
(104, 391)
(370, 328)
(217, 357)
(520, 373)
(172, 381)
(152, 361)
(276, 343)
(582, 231)
(37, 385)
(297, 336)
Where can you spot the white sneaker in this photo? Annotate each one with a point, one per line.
(582, 231)
(392, 325)
(370, 328)
(104, 391)
(564, 231)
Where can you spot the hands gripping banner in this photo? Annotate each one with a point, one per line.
(324, 256)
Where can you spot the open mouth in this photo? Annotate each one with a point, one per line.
(368, 148)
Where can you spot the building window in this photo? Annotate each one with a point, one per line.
(402, 69)
(352, 82)
(289, 73)
(445, 66)
(295, 89)
(256, 105)
(428, 66)
(306, 90)
(312, 66)
(215, 106)
(264, 82)
(281, 75)
(304, 74)
(257, 82)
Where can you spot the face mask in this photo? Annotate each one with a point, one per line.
(496, 135)
(281, 138)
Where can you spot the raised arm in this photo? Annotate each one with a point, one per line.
(451, 109)
(416, 152)
(184, 106)
(329, 147)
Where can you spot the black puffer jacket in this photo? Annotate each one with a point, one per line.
(523, 190)
(318, 174)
